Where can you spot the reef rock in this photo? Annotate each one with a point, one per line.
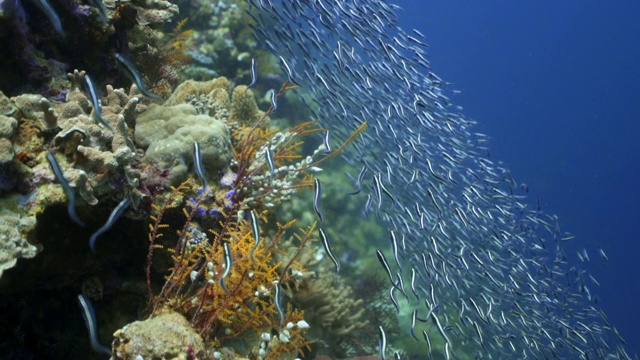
(13, 245)
(166, 336)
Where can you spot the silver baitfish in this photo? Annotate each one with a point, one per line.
(317, 194)
(228, 263)
(255, 231)
(474, 243)
(254, 73)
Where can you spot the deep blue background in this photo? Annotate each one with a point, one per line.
(556, 84)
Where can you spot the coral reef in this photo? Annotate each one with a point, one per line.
(13, 245)
(229, 268)
(99, 162)
(225, 276)
(196, 111)
(242, 305)
(224, 46)
(8, 127)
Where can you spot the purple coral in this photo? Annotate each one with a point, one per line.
(230, 194)
(199, 210)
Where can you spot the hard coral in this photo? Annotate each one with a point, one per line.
(98, 154)
(167, 335)
(13, 245)
(92, 157)
(196, 111)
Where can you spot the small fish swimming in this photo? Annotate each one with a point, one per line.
(367, 206)
(115, 214)
(317, 193)
(382, 343)
(278, 301)
(255, 230)
(274, 100)
(287, 70)
(378, 191)
(90, 321)
(52, 15)
(361, 175)
(413, 283)
(135, 75)
(326, 243)
(71, 195)
(603, 254)
(228, 263)
(326, 142)
(471, 236)
(95, 101)
(394, 249)
(254, 74)
(270, 161)
(425, 334)
(199, 166)
(385, 265)
(414, 317)
(393, 299)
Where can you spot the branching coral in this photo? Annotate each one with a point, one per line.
(98, 161)
(97, 157)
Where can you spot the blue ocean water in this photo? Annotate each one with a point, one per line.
(556, 85)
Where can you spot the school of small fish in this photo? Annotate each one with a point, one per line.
(486, 270)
